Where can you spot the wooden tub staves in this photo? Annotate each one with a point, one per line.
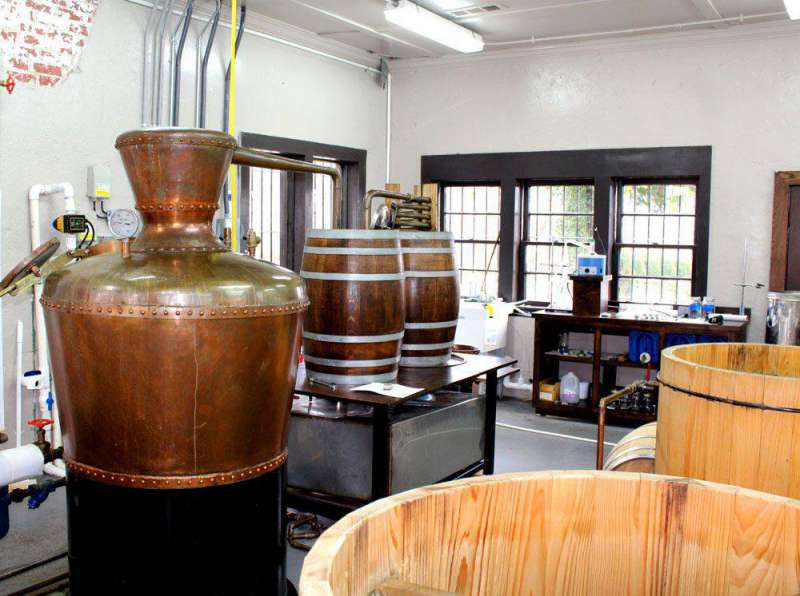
(571, 533)
(731, 413)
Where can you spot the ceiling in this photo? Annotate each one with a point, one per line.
(512, 23)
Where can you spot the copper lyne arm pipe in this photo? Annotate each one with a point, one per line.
(264, 159)
(386, 194)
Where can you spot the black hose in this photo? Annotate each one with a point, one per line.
(176, 77)
(204, 69)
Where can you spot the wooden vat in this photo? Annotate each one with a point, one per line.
(636, 452)
(432, 298)
(575, 533)
(731, 413)
(354, 326)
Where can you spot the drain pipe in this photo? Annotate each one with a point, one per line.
(201, 71)
(34, 194)
(177, 54)
(18, 404)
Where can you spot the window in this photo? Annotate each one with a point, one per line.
(472, 214)
(656, 242)
(559, 220)
(322, 208)
(265, 212)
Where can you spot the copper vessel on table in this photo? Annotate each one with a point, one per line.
(174, 362)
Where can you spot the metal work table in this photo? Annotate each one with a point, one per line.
(430, 380)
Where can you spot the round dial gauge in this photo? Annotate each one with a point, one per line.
(123, 223)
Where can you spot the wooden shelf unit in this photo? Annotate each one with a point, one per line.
(546, 358)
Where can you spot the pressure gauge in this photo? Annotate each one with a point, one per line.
(123, 223)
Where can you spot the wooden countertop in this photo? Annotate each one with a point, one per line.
(619, 320)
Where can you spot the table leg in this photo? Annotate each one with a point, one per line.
(381, 464)
(490, 421)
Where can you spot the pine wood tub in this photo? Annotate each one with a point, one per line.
(731, 413)
(570, 533)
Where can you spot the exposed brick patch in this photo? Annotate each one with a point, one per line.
(41, 40)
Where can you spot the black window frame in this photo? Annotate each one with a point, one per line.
(296, 202)
(606, 167)
(488, 243)
(618, 244)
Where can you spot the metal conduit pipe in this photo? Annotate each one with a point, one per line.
(385, 194)
(157, 70)
(201, 75)
(178, 54)
(263, 159)
(148, 65)
(226, 105)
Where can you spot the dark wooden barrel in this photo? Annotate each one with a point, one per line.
(431, 288)
(354, 326)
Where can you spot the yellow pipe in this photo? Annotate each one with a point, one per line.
(232, 129)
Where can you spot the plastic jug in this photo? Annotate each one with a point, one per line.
(570, 388)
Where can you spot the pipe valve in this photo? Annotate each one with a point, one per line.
(9, 84)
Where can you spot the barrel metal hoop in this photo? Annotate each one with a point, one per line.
(353, 339)
(345, 250)
(351, 276)
(353, 234)
(436, 325)
(351, 379)
(730, 402)
(210, 312)
(164, 482)
(423, 347)
(352, 363)
(426, 236)
(424, 361)
(407, 250)
(626, 456)
(447, 273)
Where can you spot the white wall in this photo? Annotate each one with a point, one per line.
(735, 91)
(52, 134)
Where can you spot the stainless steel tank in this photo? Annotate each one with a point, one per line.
(783, 318)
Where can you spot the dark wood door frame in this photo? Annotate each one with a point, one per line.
(354, 178)
(780, 228)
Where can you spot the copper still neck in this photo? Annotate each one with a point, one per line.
(177, 177)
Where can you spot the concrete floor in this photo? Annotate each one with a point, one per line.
(40, 533)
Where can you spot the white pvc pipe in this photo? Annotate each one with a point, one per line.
(19, 384)
(54, 469)
(42, 362)
(20, 463)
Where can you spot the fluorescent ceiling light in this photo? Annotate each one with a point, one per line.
(429, 24)
(792, 8)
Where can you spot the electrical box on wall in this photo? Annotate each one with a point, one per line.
(98, 182)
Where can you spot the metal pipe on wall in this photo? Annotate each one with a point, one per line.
(148, 65)
(201, 75)
(177, 55)
(157, 70)
(227, 99)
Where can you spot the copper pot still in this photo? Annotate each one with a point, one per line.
(174, 362)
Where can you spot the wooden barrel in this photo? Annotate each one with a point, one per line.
(432, 295)
(354, 325)
(731, 413)
(636, 452)
(576, 533)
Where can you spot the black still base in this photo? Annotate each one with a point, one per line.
(219, 540)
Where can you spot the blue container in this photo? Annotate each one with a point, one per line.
(679, 339)
(640, 342)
